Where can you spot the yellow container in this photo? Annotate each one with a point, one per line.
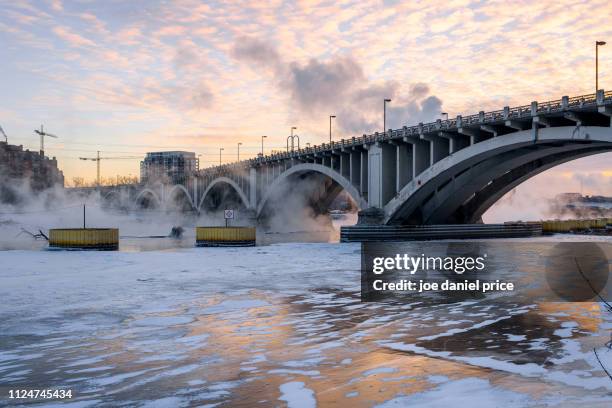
(225, 236)
(573, 225)
(84, 238)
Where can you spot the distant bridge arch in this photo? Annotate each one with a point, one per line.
(215, 183)
(305, 170)
(180, 189)
(143, 194)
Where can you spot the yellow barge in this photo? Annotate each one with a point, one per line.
(225, 236)
(85, 238)
(561, 226)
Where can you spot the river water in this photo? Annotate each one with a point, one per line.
(161, 323)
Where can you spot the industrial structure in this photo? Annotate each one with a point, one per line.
(443, 172)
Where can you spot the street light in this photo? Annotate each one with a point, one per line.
(330, 120)
(292, 137)
(444, 115)
(239, 143)
(385, 116)
(220, 150)
(262, 138)
(597, 44)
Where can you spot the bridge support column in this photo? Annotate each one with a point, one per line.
(253, 187)
(345, 165)
(355, 168)
(420, 157)
(363, 179)
(404, 165)
(382, 173)
(196, 199)
(438, 150)
(327, 161)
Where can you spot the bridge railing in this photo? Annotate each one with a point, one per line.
(480, 118)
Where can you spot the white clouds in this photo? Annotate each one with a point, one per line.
(284, 63)
(72, 38)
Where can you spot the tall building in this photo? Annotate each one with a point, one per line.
(168, 167)
(18, 165)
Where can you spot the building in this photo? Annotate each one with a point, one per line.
(18, 165)
(168, 167)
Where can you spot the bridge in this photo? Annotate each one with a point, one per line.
(447, 171)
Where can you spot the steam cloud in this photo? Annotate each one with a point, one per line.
(319, 87)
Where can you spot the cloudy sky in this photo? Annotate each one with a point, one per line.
(126, 77)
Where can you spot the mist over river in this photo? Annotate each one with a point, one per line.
(281, 325)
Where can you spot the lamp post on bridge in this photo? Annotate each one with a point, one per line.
(262, 138)
(385, 116)
(597, 44)
(239, 143)
(292, 137)
(330, 123)
(220, 150)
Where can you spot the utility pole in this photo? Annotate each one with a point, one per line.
(330, 120)
(239, 143)
(385, 116)
(220, 150)
(597, 45)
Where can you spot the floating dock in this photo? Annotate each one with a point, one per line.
(225, 236)
(106, 239)
(377, 233)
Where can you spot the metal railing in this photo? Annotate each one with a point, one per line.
(481, 118)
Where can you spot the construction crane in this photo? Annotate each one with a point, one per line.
(4, 134)
(42, 134)
(98, 158)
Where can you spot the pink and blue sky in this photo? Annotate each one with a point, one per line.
(126, 77)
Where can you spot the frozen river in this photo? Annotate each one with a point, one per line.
(279, 325)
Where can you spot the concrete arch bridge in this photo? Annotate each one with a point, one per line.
(447, 171)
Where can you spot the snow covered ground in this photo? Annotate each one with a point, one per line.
(279, 325)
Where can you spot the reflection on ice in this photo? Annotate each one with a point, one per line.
(281, 324)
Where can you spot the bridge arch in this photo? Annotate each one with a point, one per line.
(227, 181)
(462, 186)
(175, 191)
(304, 169)
(142, 195)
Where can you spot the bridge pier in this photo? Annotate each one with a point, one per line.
(404, 167)
(382, 174)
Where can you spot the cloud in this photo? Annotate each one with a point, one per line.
(253, 50)
(72, 38)
(191, 97)
(317, 85)
(339, 86)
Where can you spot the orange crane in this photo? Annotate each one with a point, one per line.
(98, 158)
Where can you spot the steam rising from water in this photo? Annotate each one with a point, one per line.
(289, 212)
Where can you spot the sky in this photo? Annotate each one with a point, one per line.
(127, 77)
